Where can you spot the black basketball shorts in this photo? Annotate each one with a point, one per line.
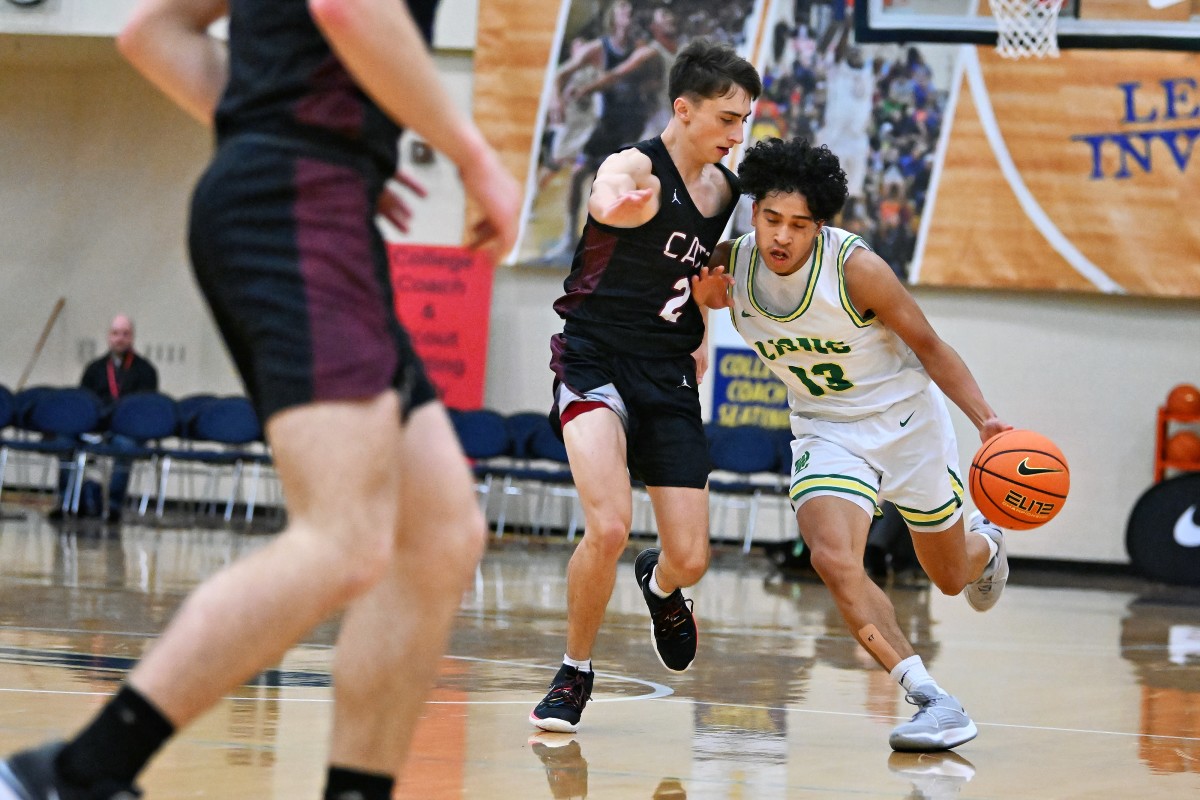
(285, 249)
(665, 440)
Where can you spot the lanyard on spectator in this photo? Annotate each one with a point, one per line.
(126, 363)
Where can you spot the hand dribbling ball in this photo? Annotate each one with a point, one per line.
(1019, 480)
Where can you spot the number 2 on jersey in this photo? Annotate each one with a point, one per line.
(672, 309)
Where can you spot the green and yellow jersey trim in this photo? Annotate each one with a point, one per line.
(858, 319)
(809, 289)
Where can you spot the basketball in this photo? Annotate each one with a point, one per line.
(1184, 399)
(1184, 446)
(1019, 479)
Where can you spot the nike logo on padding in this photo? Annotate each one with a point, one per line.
(744, 314)
(906, 419)
(1024, 469)
(1187, 532)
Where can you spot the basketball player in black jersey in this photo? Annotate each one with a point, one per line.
(307, 98)
(630, 357)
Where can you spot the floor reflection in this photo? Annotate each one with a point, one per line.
(1080, 688)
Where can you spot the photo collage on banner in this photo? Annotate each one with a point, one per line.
(880, 108)
(605, 89)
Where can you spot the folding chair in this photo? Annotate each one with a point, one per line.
(748, 457)
(146, 419)
(484, 437)
(61, 416)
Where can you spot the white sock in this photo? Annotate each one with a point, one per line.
(583, 666)
(993, 548)
(911, 673)
(654, 587)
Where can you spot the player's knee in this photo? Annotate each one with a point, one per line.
(836, 568)
(463, 543)
(358, 562)
(948, 580)
(689, 566)
(608, 533)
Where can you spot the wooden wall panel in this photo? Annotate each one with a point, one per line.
(1140, 230)
(511, 56)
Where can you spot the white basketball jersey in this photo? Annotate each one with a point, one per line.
(836, 364)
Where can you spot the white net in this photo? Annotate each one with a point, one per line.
(1027, 28)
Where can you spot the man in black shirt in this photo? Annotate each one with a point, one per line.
(120, 371)
(116, 374)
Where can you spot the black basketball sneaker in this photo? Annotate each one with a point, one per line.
(671, 621)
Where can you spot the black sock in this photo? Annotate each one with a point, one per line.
(117, 745)
(352, 784)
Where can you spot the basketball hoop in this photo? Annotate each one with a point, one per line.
(1027, 28)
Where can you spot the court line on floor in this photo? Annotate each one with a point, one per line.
(866, 715)
(122, 664)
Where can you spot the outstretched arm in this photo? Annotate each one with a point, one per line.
(625, 192)
(873, 287)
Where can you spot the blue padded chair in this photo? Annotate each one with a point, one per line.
(555, 478)
(485, 440)
(61, 416)
(146, 419)
(188, 408)
(745, 461)
(543, 473)
(225, 435)
(521, 426)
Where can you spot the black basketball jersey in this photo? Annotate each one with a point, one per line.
(285, 80)
(629, 289)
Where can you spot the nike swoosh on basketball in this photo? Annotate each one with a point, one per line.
(1187, 532)
(1024, 469)
(904, 421)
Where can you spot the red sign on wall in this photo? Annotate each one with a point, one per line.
(444, 298)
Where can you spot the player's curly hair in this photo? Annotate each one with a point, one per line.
(774, 165)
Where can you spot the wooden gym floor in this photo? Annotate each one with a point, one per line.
(1080, 688)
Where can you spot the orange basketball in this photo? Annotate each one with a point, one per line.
(1019, 479)
(1184, 446)
(1184, 399)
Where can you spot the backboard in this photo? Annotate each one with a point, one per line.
(1096, 24)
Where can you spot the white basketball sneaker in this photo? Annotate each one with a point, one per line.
(939, 724)
(983, 593)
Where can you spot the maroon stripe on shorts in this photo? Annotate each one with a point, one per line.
(354, 354)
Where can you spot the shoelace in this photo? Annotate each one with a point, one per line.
(573, 693)
(671, 616)
(922, 701)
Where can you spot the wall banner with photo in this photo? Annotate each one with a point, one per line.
(606, 88)
(964, 169)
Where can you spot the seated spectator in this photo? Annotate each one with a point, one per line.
(117, 373)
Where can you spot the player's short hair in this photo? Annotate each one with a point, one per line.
(709, 69)
(774, 165)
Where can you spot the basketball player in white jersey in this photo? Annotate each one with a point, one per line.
(866, 374)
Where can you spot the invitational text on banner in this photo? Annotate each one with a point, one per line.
(444, 299)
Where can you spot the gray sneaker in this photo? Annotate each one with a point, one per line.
(983, 593)
(934, 776)
(939, 724)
